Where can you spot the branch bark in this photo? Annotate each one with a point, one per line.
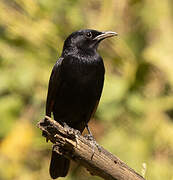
(98, 161)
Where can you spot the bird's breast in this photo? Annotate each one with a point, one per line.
(83, 72)
(82, 79)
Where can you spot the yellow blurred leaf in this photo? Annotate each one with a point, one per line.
(16, 145)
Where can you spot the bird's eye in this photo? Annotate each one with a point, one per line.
(89, 35)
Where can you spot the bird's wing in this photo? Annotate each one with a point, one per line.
(94, 109)
(54, 84)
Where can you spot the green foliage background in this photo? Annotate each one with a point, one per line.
(135, 116)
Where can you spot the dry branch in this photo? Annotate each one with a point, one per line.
(71, 144)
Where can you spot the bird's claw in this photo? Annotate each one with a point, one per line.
(72, 131)
(93, 143)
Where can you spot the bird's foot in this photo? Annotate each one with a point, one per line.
(93, 143)
(66, 127)
(72, 131)
(92, 140)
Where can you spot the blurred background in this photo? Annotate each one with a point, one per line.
(135, 117)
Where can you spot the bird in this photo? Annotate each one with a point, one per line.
(75, 87)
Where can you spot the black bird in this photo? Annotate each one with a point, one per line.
(75, 87)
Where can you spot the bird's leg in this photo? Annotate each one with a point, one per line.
(89, 131)
(67, 127)
(92, 141)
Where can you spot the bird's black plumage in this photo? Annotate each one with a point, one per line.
(75, 86)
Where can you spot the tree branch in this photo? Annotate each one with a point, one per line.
(71, 144)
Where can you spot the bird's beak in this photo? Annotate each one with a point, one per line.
(105, 34)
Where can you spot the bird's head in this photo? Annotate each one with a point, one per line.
(86, 40)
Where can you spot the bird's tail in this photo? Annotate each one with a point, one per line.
(59, 165)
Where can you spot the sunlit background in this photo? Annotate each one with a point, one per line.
(135, 117)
